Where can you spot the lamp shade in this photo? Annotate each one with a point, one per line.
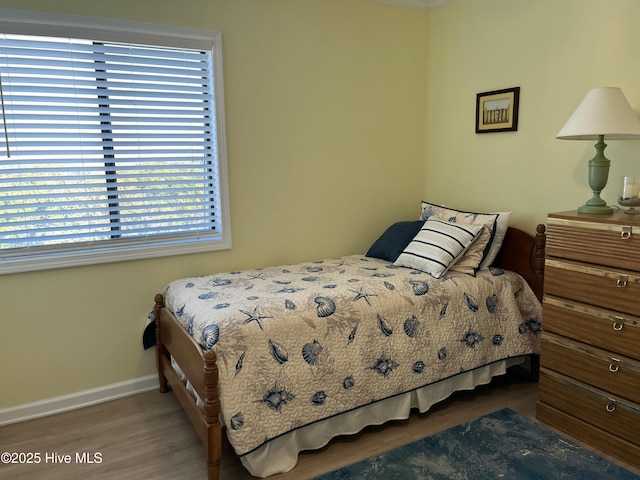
(604, 111)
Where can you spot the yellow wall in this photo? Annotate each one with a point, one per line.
(341, 116)
(555, 51)
(326, 112)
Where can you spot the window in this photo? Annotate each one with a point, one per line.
(111, 142)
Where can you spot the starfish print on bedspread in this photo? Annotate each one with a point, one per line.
(360, 294)
(253, 317)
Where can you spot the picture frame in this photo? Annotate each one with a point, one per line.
(497, 110)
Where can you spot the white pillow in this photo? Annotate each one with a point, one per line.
(437, 246)
(502, 223)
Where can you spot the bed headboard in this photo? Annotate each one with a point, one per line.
(524, 254)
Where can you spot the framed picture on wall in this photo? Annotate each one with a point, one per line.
(497, 111)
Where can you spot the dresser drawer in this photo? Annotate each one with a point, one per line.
(605, 411)
(614, 243)
(611, 288)
(602, 328)
(585, 432)
(599, 368)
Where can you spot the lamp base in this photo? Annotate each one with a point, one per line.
(597, 209)
(598, 175)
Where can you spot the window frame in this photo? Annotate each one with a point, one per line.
(102, 29)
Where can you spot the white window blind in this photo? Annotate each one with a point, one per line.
(111, 151)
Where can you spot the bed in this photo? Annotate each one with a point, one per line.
(277, 360)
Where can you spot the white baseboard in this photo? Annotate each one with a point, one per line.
(86, 398)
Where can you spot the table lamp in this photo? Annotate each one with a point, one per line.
(604, 112)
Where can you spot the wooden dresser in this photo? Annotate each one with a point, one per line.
(590, 353)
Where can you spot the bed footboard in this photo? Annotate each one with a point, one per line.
(200, 368)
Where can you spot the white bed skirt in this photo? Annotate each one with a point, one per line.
(281, 454)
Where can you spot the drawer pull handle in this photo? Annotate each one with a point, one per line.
(626, 233)
(614, 366)
(618, 323)
(622, 281)
(611, 406)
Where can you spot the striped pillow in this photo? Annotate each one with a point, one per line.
(437, 246)
(430, 210)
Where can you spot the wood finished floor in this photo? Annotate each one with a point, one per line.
(133, 445)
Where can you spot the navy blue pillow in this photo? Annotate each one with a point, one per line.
(394, 240)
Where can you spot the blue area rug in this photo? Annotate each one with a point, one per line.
(502, 445)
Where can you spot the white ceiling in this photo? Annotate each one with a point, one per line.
(421, 4)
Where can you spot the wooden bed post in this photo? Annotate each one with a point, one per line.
(213, 447)
(160, 349)
(537, 261)
(538, 258)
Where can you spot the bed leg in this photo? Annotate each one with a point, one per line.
(213, 471)
(160, 349)
(213, 447)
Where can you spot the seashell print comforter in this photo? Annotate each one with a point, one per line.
(300, 343)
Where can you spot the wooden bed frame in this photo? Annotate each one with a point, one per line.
(520, 252)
